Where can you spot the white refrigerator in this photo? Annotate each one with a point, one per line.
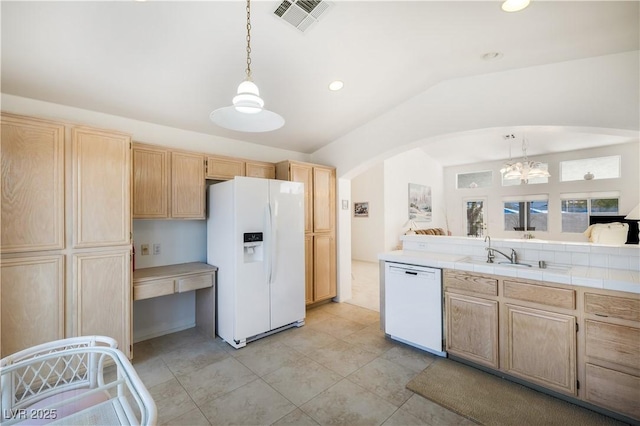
(255, 236)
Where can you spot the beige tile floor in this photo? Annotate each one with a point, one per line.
(337, 369)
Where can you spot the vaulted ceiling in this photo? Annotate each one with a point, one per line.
(172, 63)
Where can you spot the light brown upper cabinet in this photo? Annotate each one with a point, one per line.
(301, 173)
(167, 184)
(32, 153)
(224, 168)
(150, 182)
(324, 199)
(187, 186)
(320, 244)
(101, 183)
(260, 169)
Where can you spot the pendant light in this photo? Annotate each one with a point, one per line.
(247, 114)
(525, 169)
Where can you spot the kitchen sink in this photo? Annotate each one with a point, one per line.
(517, 265)
(549, 268)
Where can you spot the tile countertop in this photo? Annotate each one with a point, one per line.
(585, 276)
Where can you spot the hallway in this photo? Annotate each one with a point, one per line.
(365, 285)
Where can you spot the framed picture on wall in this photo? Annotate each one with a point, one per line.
(361, 209)
(419, 202)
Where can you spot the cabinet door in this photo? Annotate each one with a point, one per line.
(308, 268)
(324, 269)
(260, 170)
(32, 153)
(102, 285)
(472, 328)
(32, 303)
(541, 347)
(101, 188)
(613, 389)
(187, 186)
(324, 184)
(222, 168)
(150, 183)
(304, 173)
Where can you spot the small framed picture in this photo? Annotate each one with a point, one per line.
(361, 209)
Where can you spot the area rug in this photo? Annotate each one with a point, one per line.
(490, 400)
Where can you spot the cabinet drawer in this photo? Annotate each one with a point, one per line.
(466, 282)
(612, 306)
(551, 296)
(193, 283)
(614, 343)
(613, 389)
(151, 289)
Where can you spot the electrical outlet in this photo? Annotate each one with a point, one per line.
(156, 249)
(144, 249)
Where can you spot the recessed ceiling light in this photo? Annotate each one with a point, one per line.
(514, 5)
(336, 85)
(492, 56)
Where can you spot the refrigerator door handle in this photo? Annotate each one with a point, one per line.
(274, 244)
(269, 220)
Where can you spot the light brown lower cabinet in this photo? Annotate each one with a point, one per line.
(324, 267)
(308, 270)
(541, 347)
(32, 302)
(577, 341)
(612, 351)
(103, 291)
(613, 390)
(472, 328)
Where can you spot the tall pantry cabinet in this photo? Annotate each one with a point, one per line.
(66, 233)
(320, 236)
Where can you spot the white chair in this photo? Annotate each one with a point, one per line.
(81, 380)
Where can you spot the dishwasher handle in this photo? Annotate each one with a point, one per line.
(429, 274)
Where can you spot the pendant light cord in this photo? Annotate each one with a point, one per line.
(248, 40)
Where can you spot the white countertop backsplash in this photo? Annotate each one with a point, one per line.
(583, 264)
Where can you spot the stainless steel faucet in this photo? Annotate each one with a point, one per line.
(513, 258)
(490, 255)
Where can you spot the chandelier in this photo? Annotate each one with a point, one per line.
(247, 114)
(525, 169)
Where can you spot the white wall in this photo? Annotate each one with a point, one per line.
(368, 233)
(628, 185)
(414, 166)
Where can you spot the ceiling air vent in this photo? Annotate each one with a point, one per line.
(302, 13)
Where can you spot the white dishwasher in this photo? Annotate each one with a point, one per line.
(413, 306)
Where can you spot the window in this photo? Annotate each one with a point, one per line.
(590, 168)
(526, 215)
(475, 222)
(474, 180)
(576, 210)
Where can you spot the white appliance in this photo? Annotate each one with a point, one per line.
(255, 236)
(413, 306)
